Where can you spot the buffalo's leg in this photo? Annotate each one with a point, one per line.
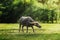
(19, 27)
(22, 28)
(27, 30)
(33, 29)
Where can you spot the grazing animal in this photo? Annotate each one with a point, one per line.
(28, 22)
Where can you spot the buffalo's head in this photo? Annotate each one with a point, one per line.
(37, 24)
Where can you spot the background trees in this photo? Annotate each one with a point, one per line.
(47, 11)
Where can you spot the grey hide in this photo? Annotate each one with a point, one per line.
(28, 22)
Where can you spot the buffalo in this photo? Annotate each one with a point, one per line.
(28, 22)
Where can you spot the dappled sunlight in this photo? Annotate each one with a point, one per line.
(46, 28)
(46, 12)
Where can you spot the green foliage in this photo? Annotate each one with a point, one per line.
(41, 10)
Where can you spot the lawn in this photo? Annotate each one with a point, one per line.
(47, 32)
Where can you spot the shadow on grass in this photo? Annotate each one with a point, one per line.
(11, 34)
(17, 30)
(7, 29)
(28, 36)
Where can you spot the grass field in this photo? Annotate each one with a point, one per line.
(47, 32)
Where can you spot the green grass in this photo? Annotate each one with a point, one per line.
(47, 32)
(28, 36)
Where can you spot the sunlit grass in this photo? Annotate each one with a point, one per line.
(47, 32)
(46, 28)
(8, 26)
